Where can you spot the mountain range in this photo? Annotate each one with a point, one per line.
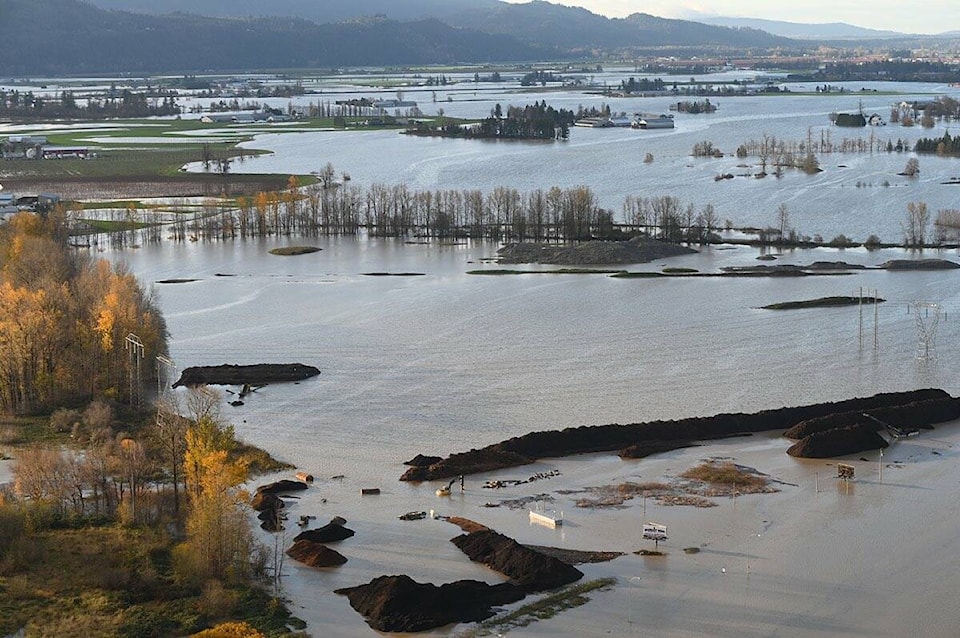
(62, 37)
(805, 31)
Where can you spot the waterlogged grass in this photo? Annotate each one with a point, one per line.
(561, 271)
(547, 607)
(680, 271)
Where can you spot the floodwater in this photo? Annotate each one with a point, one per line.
(447, 361)
(855, 194)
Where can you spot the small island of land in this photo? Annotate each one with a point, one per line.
(822, 302)
(634, 251)
(255, 374)
(289, 251)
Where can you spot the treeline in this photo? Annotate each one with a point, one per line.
(503, 214)
(946, 145)
(886, 70)
(126, 104)
(643, 85)
(535, 121)
(65, 319)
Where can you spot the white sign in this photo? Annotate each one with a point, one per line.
(654, 531)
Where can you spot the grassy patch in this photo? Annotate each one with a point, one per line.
(258, 461)
(289, 251)
(679, 271)
(21, 431)
(117, 581)
(547, 607)
(725, 474)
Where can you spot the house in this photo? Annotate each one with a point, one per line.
(650, 121)
(64, 152)
(852, 120)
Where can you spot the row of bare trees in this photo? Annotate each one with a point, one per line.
(397, 211)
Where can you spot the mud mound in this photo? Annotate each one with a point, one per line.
(329, 533)
(257, 374)
(606, 438)
(643, 450)
(315, 554)
(400, 604)
(914, 414)
(838, 442)
(422, 461)
(279, 487)
(919, 264)
(529, 569)
(635, 251)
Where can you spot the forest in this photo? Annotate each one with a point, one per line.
(65, 319)
(535, 121)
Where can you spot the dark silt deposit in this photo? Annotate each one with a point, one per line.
(919, 264)
(256, 374)
(315, 554)
(607, 438)
(527, 568)
(400, 604)
(838, 442)
(858, 431)
(635, 251)
(329, 533)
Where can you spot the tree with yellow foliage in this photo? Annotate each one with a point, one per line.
(219, 542)
(64, 319)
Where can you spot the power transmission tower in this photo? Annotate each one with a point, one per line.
(135, 352)
(928, 316)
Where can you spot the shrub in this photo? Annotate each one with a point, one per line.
(872, 243)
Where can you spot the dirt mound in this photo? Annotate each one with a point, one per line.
(635, 251)
(527, 568)
(315, 554)
(281, 486)
(257, 374)
(838, 442)
(645, 449)
(525, 449)
(329, 533)
(400, 604)
(914, 414)
(919, 264)
(422, 461)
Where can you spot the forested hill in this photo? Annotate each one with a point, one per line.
(69, 37)
(550, 24)
(321, 11)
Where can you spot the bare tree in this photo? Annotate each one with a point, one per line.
(915, 226)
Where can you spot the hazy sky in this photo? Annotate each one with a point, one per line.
(923, 16)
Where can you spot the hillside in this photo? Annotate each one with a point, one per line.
(817, 31)
(553, 25)
(321, 11)
(69, 37)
